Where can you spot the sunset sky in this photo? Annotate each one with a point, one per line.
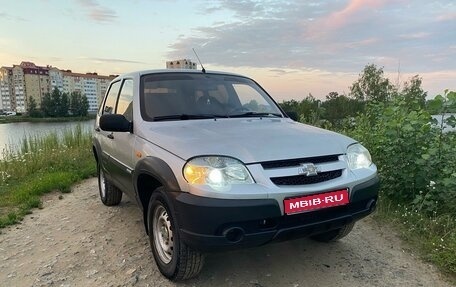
(292, 48)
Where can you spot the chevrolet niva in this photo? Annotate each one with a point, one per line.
(215, 164)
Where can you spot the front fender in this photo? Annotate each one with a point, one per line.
(158, 169)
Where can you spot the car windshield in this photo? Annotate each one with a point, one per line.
(185, 96)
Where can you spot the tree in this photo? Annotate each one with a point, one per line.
(56, 97)
(308, 109)
(32, 108)
(84, 106)
(372, 85)
(46, 105)
(338, 107)
(414, 95)
(64, 105)
(79, 104)
(55, 104)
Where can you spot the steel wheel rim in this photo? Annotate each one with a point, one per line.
(163, 235)
(102, 184)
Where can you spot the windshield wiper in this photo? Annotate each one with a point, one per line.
(186, 117)
(256, 114)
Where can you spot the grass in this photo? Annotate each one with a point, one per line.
(42, 165)
(434, 237)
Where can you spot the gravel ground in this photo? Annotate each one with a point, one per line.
(76, 241)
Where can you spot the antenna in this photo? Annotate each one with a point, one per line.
(202, 67)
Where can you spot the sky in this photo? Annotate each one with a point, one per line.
(292, 48)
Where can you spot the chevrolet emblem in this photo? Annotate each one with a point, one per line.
(308, 169)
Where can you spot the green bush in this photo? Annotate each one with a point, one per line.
(416, 159)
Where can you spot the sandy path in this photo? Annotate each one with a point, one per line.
(76, 241)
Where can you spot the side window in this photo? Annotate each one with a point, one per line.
(125, 103)
(111, 98)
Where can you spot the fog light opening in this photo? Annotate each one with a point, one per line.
(268, 223)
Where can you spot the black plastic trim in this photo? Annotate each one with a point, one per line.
(298, 161)
(158, 169)
(204, 222)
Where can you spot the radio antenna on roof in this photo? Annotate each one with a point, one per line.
(202, 67)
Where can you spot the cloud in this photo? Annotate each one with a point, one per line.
(107, 60)
(329, 35)
(418, 35)
(96, 12)
(246, 9)
(447, 17)
(9, 17)
(353, 8)
(281, 72)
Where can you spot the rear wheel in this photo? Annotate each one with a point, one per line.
(335, 234)
(109, 194)
(174, 258)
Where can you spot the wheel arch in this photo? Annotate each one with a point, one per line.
(96, 150)
(151, 173)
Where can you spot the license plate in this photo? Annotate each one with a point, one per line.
(316, 201)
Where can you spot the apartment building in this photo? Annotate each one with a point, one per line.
(18, 101)
(56, 78)
(180, 64)
(35, 83)
(20, 83)
(92, 85)
(6, 79)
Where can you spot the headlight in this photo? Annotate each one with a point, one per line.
(217, 171)
(358, 157)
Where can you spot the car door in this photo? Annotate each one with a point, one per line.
(122, 143)
(104, 138)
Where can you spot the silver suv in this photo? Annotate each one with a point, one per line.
(215, 164)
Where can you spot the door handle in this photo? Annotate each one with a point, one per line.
(110, 136)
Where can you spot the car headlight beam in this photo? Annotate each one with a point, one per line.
(216, 171)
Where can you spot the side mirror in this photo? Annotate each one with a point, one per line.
(115, 123)
(293, 115)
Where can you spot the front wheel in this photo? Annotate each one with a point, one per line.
(174, 258)
(335, 234)
(109, 194)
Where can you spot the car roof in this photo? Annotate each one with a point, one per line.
(169, 71)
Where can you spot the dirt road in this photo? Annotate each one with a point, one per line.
(76, 241)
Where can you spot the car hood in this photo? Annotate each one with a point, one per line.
(249, 140)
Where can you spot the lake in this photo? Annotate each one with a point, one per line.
(12, 134)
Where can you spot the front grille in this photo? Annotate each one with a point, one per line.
(299, 161)
(302, 179)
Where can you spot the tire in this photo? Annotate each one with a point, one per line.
(109, 194)
(175, 260)
(334, 235)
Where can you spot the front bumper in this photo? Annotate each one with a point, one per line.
(210, 224)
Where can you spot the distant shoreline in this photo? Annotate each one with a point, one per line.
(18, 119)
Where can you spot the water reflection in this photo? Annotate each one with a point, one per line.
(12, 134)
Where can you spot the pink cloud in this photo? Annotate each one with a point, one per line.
(96, 12)
(419, 35)
(447, 17)
(350, 13)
